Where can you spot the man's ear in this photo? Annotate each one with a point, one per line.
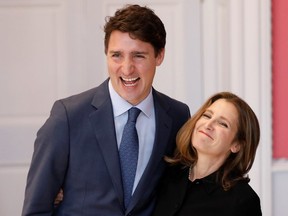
(160, 57)
(235, 147)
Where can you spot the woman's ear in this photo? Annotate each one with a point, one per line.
(235, 147)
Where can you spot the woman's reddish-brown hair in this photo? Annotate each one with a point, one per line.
(237, 165)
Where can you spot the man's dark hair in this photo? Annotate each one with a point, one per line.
(140, 22)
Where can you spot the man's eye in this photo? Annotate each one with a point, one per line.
(139, 56)
(115, 55)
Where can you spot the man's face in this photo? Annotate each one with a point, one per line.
(131, 66)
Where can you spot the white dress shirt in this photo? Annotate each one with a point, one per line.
(145, 126)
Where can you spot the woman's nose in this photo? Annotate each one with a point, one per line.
(209, 124)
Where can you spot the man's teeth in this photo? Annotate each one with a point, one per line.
(130, 80)
(130, 84)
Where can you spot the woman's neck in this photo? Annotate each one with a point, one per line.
(204, 167)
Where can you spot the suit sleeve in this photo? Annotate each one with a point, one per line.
(49, 163)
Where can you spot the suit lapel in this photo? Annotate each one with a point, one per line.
(106, 138)
(163, 129)
(103, 123)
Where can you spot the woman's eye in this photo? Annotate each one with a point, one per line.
(223, 124)
(205, 115)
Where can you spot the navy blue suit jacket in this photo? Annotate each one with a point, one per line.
(76, 149)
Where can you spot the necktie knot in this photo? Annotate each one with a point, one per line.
(133, 114)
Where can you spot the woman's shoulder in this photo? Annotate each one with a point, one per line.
(175, 176)
(172, 190)
(246, 199)
(176, 171)
(244, 188)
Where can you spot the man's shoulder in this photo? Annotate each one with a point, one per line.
(168, 100)
(83, 101)
(87, 95)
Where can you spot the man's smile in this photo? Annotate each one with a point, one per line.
(129, 82)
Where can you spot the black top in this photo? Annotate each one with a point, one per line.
(178, 196)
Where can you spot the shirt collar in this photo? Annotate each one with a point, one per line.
(209, 182)
(120, 105)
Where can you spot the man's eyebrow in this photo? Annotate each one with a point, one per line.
(141, 52)
(133, 52)
(114, 51)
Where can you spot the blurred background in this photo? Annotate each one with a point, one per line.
(50, 49)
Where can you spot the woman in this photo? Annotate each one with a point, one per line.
(215, 151)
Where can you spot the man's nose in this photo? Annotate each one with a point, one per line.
(128, 66)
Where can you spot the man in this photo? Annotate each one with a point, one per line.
(77, 150)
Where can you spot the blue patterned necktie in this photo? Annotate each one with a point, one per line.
(128, 153)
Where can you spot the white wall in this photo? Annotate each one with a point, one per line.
(236, 57)
(53, 48)
(32, 59)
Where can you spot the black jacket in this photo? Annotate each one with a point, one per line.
(204, 197)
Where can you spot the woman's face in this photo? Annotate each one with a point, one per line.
(215, 131)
